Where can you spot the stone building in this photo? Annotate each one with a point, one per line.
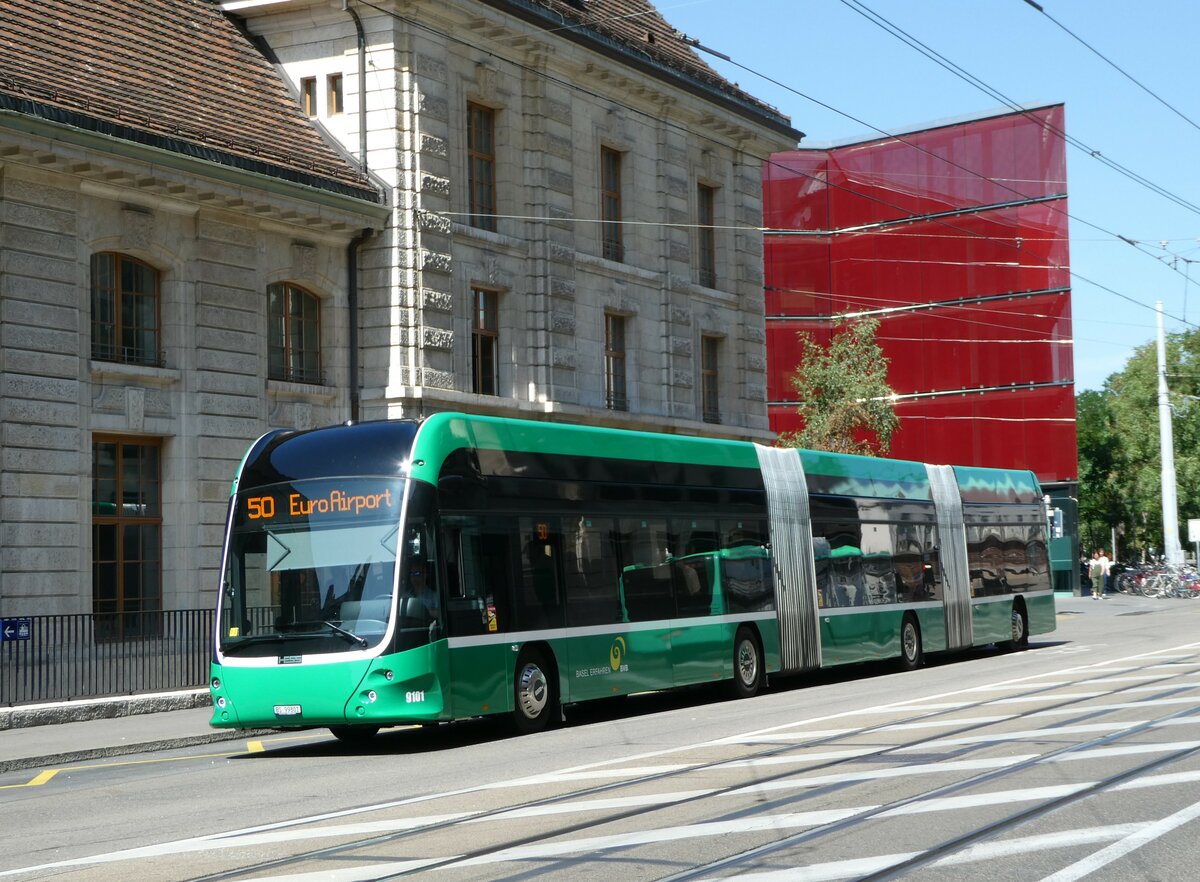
(577, 202)
(157, 214)
(541, 208)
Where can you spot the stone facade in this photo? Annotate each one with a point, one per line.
(217, 236)
(216, 246)
(555, 104)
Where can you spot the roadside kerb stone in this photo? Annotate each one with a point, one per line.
(28, 716)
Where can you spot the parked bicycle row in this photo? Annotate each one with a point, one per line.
(1159, 580)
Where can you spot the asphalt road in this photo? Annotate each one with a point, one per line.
(1078, 758)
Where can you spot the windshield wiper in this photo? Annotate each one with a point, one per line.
(254, 639)
(349, 635)
(292, 634)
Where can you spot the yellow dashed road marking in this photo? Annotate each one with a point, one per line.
(251, 747)
(38, 780)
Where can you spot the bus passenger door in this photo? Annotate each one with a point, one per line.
(538, 600)
(477, 555)
(641, 652)
(701, 644)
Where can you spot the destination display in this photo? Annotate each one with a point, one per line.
(292, 502)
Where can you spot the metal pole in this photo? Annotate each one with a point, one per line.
(1170, 506)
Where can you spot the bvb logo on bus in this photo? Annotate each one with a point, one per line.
(617, 653)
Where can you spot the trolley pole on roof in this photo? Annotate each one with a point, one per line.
(1166, 440)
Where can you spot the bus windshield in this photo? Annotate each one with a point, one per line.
(311, 567)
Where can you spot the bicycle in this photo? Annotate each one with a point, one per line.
(1171, 581)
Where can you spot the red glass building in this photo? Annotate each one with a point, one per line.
(955, 238)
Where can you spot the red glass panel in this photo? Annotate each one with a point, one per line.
(993, 253)
(798, 274)
(795, 194)
(1022, 429)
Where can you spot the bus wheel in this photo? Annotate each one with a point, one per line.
(912, 655)
(1020, 628)
(533, 693)
(358, 736)
(747, 664)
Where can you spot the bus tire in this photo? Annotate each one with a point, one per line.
(356, 736)
(1020, 627)
(747, 664)
(912, 653)
(534, 696)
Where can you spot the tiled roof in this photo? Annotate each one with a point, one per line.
(641, 28)
(173, 73)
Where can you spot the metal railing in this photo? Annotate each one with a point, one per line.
(64, 657)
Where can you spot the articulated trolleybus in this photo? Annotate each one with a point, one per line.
(396, 572)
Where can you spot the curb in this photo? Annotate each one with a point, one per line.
(27, 716)
(101, 708)
(58, 759)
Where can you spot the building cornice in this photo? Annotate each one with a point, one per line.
(611, 47)
(57, 124)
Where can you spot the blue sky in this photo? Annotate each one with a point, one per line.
(827, 50)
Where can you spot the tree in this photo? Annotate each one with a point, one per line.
(1120, 463)
(843, 393)
(1103, 504)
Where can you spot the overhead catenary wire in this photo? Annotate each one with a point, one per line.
(941, 60)
(901, 139)
(960, 72)
(574, 86)
(1187, 119)
(966, 76)
(940, 311)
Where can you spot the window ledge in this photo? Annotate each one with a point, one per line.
(615, 268)
(467, 231)
(716, 295)
(103, 371)
(287, 391)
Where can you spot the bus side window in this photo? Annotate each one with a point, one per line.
(747, 581)
(452, 551)
(878, 567)
(932, 564)
(589, 569)
(646, 584)
(824, 570)
(478, 572)
(538, 600)
(693, 585)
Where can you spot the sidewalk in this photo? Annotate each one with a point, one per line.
(48, 735)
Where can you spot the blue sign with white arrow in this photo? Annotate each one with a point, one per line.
(15, 629)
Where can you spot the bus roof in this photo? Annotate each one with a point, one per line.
(997, 485)
(828, 473)
(383, 447)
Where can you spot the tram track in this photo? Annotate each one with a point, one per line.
(956, 843)
(344, 850)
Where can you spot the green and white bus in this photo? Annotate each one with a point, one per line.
(401, 572)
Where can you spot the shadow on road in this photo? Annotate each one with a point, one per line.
(465, 733)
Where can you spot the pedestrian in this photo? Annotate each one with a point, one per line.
(1096, 575)
(1106, 567)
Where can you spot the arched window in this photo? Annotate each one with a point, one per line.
(125, 310)
(294, 335)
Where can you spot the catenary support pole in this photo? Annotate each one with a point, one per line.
(1166, 439)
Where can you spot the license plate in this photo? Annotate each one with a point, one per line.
(287, 710)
